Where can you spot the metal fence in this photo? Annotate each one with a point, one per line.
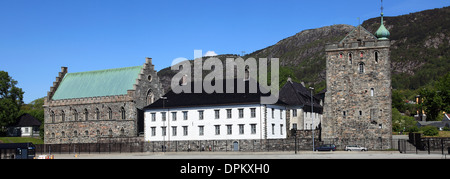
(127, 147)
(425, 146)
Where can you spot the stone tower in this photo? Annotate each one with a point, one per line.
(357, 106)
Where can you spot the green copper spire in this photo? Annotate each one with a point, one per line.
(382, 33)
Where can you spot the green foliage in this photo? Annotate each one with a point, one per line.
(436, 98)
(402, 123)
(430, 131)
(11, 98)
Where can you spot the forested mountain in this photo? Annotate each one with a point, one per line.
(420, 50)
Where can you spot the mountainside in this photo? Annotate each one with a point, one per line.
(420, 50)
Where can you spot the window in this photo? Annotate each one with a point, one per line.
(372, 91)
(241, 113)
(228, 113)
(252, 112)
(97, 114)
(281, 129)
(98, 132)
(63, 134)
(253, 128)
(63, 116)
(185, 130)
(344, 113)
(217, 127)
(109, 113)
(361, 68)
(200, 115)
(150, 97)
(153, 131)
(281, 114)
(350, 58)
(294, 126)
(360, 113)
(163, 131)
(75, 115)
(294, 112)
(122, 112)
(174, 116)
(241, 128)
(86, 133)
(53, 117)
(273, 111)
(122, 132)
(216, 114)
(163, 116)
(153, 116)
(340, 55)
(86, 114)
(273, 129)
(361, 54)
(229, 129)
(174, 130)
(201, 130)
(75, 133)
(185, 115)
(376, 57)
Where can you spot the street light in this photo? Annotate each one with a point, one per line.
(312, 115)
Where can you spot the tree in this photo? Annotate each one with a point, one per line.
(436, 98)
(11, 99)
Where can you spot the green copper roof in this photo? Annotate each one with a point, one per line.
(382, 33)
(108, 82)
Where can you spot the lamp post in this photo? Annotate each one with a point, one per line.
(312, 115)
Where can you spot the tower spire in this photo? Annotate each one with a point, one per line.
(382, 33)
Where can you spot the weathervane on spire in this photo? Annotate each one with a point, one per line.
(382, 7)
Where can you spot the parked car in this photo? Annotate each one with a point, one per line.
(326, 147)
(355, 148)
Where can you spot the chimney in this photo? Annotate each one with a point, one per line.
(289, 79)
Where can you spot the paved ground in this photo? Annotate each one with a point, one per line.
(257, 155)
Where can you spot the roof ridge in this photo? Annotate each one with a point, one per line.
(111, 69)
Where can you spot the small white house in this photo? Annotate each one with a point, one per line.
(25, 126)
(215, 116)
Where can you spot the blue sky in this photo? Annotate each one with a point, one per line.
(37, 37)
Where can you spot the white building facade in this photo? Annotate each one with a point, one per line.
(215, 122)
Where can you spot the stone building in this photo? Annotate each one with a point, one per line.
(86, 107)
(357, 108)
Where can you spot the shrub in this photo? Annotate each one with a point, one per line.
(430, 131)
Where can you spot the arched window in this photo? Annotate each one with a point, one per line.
(63, 116)
(122, 131)
(361, 67)
(122, 112)
(361, 54)
(150, 97)
(75, 133)
(109, 113)
(53, 116)
(110, 132)
(75, 115)
(86, 114)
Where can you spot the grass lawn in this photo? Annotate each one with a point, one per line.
(20, 140)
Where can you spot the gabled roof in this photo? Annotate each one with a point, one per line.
(358, 33)
(212, 99)
(296, 94)
(26, 120)
(108, 82)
